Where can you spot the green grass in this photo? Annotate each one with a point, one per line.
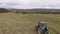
(11, 23)
(37, 17)
(55, 16)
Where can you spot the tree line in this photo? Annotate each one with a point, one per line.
(31, 11)
(38, 11)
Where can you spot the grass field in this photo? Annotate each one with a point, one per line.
(12, 23)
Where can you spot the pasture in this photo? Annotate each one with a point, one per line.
(12, 23)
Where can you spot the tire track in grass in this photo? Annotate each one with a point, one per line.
(54, 30)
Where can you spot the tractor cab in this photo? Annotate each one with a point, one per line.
(42, 25)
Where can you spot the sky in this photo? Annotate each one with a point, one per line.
(27, 4)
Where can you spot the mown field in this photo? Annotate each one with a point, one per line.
(12, 23)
